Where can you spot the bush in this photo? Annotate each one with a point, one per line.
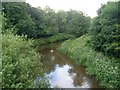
(60, 37)
(55, 38)
(106, 30)
(21, 64)
(105, 69)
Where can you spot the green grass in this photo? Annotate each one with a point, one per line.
(105, 69)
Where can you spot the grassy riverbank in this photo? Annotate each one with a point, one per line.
(105, 69)
(52, 39)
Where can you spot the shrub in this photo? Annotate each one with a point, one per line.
(21, 64)
(55, 38)
(106, 30)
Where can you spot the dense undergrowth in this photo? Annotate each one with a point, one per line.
(21, 64)
(55, 38)
(105, 69)
(105, 29)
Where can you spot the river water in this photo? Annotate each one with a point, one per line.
(62, 72)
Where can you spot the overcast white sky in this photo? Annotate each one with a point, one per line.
(87, 6)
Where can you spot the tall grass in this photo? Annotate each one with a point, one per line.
(105, 69)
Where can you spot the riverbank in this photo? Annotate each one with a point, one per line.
(62, 72)
(21, 63)
(52, 39)
(104, 68)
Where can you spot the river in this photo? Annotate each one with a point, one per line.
(62, 72)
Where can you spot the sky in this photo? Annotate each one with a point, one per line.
(89, 7)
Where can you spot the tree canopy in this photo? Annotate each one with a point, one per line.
(37, 22)
(106, 29)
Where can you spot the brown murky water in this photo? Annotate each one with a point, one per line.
(63, 72)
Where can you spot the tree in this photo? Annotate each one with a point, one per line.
(78, 23)
(37, 22)
(17, 16)
(50, 21)
(105, 29)
(62, 21)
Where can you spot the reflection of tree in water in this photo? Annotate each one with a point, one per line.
(51, 58)
(77, 78)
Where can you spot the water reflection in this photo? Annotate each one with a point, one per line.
(60, 74)
(64, 78)
(64, 73)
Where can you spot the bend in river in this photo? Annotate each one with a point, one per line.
(63, 72)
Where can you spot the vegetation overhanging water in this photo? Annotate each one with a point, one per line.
(63, 72)
(99, 50)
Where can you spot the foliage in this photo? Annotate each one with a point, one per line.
(21, 64)
(106, 29)
(62, 21)
(38, 17)
(73, 22)
(41, 23)
(55, 38)
(77, 23)
(17, 16)
(41, 82)
(105, 69)
(60, 37)
(50, 21)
